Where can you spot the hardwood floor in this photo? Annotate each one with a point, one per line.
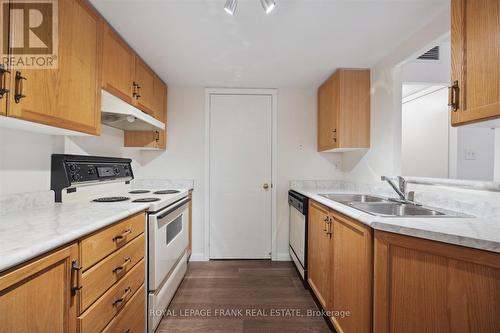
(242, 296)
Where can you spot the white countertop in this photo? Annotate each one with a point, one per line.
(29, 233)
(479, 233)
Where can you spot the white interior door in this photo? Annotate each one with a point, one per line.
(240, 166)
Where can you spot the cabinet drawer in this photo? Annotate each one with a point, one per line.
(102, 243)
(99, 278)
(131, 318)
(114, 300)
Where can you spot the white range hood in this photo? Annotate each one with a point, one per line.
(119, 114)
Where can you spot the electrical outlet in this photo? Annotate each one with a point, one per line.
(470, 155)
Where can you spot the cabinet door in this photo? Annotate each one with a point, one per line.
(37, 297)
(160, 92)
(475, 48)
(69, 96)
(427, 286)
(351, 271)
(118, 65)
(4, 85)
(319, 252)
(140, 139)
(144, 78)
(328, 113)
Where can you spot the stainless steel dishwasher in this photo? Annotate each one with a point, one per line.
(298, 206)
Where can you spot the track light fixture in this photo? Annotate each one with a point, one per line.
(268, 6)
(230, 6)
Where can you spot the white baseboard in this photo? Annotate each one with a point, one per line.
(282, 257)
(197, 257)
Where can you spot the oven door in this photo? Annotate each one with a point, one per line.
(168, 239)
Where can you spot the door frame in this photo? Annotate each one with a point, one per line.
(273, 93)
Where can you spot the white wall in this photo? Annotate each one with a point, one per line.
(481, 141)
(425, 135)
(496, 173)
(384, 157)
(25, 160)
(430, 71)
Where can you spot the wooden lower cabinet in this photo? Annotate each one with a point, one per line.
(37, 296)
(351, 275)
(318, 256)
(428, 286)
(341, 268)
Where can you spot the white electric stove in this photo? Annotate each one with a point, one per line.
(105, 180)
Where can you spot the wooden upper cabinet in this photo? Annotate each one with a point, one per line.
(344, 111)
(69, 96)
(37, 296)
(475, 52)
(145, 81)
(428, 286)
(318, 256)
(118, 65)
(160, 99)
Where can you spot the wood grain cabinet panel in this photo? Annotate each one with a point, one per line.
(96, 280)
(475, 51)
(118, 65)
(132, 318)
(427, 286)
(96, 318)
(344, 111)
(351, 274)
(144, 77)
(100, 244)
(319, 252)
(152, 139)
(37, 296)
(69, 96)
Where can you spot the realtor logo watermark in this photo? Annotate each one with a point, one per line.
(29, 36)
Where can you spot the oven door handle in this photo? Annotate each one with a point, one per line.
(179, 204)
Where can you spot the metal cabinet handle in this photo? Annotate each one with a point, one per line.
(135, 91)
(75, 277)
(120, 300)
(19, 87)
(329, 232)
(325, 222)
(3, 90)
(127, 261)
(157, 136)
(122, 235)
(454, 96)
(334, 137)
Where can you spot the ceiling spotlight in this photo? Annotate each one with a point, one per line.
(268, 5)
(230, 6)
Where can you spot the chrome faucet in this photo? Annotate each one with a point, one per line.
(401, 189)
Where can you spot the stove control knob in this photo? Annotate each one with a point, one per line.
(91, 171)
(76, 177)
(117, 171)
(72, 167)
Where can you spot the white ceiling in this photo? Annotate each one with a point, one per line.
(195, 43)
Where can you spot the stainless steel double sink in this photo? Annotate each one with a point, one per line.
(379, 206)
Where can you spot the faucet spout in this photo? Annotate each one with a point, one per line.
(400, 189)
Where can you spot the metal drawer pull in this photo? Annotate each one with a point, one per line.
(329, 232)
(123, 266)
(453, 96)
(326, 221)
(75, 277)
(122, 235)
(3, 90)
(19, 87)
(127, 331)
(120, 300)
